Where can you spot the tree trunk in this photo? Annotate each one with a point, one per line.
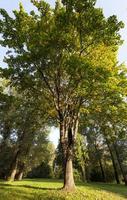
(68, 177)
(13, 167)
(99, 159)
(67, 150)
(68, 131)
(83, 173)
(102, 170)
(19, 176)
(69, 184)
(120, 164)
(6, 136)
(12, 173)
(114, 164)
(100, 163)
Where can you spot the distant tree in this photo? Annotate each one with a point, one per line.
(22, 121)
(81, 156)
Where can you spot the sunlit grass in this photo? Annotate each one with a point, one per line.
(43, 189)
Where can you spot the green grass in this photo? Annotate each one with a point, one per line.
(43, 189)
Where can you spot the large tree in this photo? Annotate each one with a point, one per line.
(51, 53)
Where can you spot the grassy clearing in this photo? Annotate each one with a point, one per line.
(41, 189)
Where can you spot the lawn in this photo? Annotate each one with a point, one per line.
(43, 189)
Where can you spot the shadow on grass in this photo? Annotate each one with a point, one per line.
(43, 194)
(39, 188)
(13, 194)
(28, 186)
(113, 188)
(51, 180)
(16, 192)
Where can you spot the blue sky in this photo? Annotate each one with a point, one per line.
(110, 7)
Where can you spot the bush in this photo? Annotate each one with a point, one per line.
(42, 171)
(77, 175)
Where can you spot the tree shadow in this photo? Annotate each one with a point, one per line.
(121, 190)
(35, 192)
(5, 184)
(28, 186)
(40, 188)
(13, 193)
(51, 180)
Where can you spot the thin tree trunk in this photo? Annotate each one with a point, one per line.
(83, 173)
(19, 175)
(99, 160)
(101, 165)
(102, 170)
(113, 162)
(12, 173)
(6, 136)
(13, 167)
(120, 164)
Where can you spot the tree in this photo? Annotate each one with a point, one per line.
(29, 124)
(81, 155)
(40, 160)
(22, 119)
(106, 116)
(51, 56)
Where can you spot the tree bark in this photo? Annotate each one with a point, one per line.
(13, 167)
(114, 164)
(120, 164)
(19, 175)
(6, 136)
(83, 173)
(12, 173)
(67, 150)
(102, 170)
(69, 184)
(99, 160)
(101, 165)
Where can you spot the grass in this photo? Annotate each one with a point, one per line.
(44, 189)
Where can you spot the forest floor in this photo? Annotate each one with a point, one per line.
(44, 189)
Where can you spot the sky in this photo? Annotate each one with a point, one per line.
(110, 7)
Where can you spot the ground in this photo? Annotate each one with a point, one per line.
(44, 189)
